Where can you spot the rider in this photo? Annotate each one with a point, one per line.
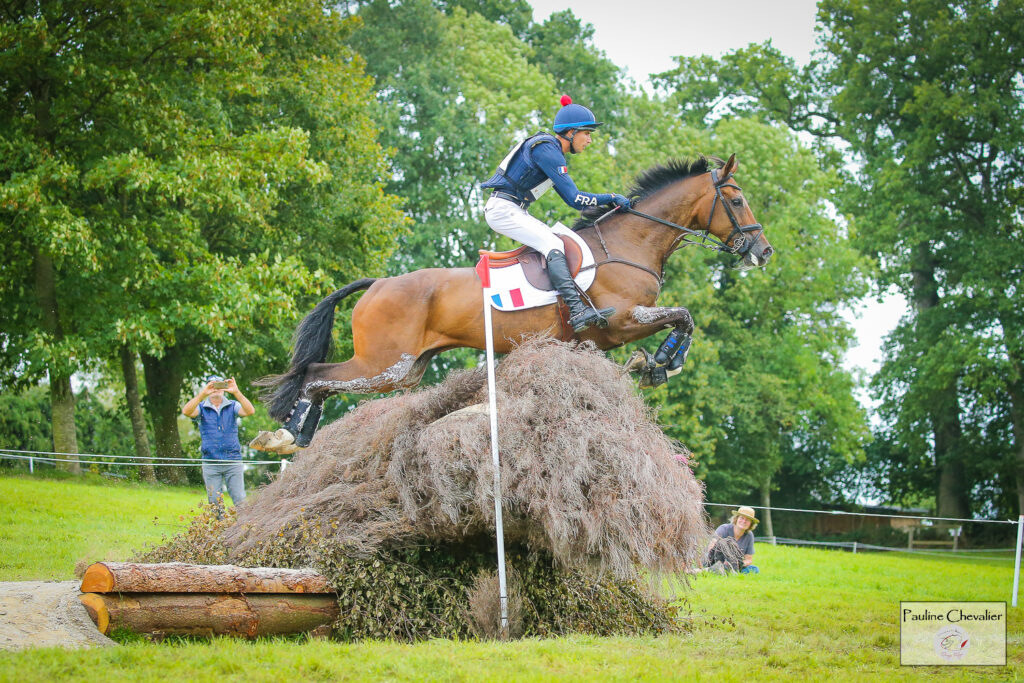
(528, 171)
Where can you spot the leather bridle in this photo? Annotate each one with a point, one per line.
(740, 235)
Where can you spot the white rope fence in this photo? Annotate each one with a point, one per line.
(853, 545)
(871, 514)
(48, 456)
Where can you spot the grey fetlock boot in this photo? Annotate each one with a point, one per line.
(581, 315)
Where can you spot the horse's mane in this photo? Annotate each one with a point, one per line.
(650, 181)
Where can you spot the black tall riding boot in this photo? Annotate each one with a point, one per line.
(581, 315)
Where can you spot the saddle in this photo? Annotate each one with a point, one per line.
(534, 267)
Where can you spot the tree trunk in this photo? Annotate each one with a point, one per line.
(138, 419)
(62, 398)
(1016, 390)
(766, 502)
(208, 614)
(177, 577)
(163, 391)
(952, 498)
(951, 495)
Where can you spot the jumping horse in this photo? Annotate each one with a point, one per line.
(402, 322)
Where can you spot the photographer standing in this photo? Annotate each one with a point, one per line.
(217, 420)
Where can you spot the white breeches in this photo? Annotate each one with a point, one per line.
(506, 218)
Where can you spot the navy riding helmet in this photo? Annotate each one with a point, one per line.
(574, 116)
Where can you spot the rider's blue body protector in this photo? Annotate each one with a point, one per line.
(535, 165)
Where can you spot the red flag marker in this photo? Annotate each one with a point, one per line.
(483, 270)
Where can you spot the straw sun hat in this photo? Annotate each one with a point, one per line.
(747, 512)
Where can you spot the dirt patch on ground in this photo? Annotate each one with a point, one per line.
(45, 614)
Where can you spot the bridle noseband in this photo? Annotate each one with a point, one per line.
(741, 245)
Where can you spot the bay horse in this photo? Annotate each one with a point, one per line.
(402, 322)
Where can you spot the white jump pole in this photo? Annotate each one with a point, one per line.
(1016, 563)
(483, 271)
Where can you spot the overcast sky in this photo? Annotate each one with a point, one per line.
(644, 35)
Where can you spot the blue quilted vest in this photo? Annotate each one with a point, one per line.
(219, 431)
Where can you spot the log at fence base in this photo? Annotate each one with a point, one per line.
(206, 614)
(177, 577)
(97, 610)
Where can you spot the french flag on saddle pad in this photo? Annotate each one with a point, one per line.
(507, 289)
(510, 299)
(504, 300)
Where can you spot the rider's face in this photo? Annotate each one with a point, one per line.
(581, 140)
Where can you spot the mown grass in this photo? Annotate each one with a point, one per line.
(810, 614)
(49, 524)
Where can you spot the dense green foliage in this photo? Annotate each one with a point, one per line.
(931, 115)
(180, 182)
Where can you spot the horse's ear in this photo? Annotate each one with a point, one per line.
(730, 167)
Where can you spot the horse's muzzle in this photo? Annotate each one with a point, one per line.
(757, 258)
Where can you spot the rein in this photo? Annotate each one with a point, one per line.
(741, 245)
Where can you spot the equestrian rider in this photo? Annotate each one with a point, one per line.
(531, 168)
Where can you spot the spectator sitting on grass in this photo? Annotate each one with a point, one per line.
(732, 546)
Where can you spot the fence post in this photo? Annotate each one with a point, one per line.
(855, 547)
(31, 468)
(773, 540)
(1016, 563)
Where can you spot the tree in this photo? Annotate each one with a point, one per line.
(925, 97)
(207, 170)
(929, 95)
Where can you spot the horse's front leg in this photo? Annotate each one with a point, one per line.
(668, 360)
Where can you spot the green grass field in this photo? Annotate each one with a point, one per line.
(811, 614)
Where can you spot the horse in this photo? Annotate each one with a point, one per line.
(402, 322)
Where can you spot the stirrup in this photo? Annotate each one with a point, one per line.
(591, 316)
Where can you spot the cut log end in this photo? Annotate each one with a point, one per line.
(97, 609)
(98, 579)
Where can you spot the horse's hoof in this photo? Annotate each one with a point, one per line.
(287, 450)
(282, 437)
(260, 442)
(637, 362)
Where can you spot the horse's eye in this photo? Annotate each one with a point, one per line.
(737, 202)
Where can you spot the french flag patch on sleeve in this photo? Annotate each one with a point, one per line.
(563, 169)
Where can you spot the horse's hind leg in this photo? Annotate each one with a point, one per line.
(356, 376)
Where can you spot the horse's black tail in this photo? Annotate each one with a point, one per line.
(311, 344)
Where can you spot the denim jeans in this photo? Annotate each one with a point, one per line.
(217, 474)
